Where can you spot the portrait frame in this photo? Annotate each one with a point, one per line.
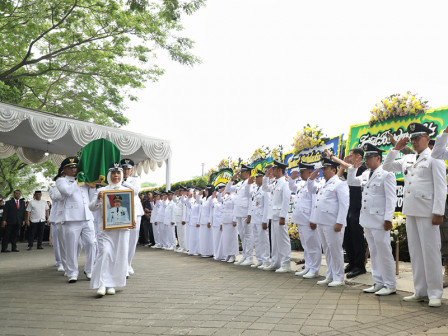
(121, 217)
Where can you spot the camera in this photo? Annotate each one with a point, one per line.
(324, 155)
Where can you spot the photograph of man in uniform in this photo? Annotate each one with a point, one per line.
(118, 213)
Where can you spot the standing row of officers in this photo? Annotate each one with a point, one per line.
(77, 223)
(209, 221)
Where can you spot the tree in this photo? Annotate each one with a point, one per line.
(82, 58)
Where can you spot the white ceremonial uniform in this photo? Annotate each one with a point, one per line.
(259, 215)
(330, 208)
(379, 197)
(77, 224)
(193, 236)
(153, 220)
(241, 203)
(179, 218)
(169, 240)
(188, 202)
(424, 196)
(230, 246)
(279, 207)
(133, 182)
(160, 221)
(56, 197)
(111, 265)
(303, 205)
(205, 233)
(116, 215)
(216, 221)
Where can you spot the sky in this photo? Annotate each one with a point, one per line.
(270, 67)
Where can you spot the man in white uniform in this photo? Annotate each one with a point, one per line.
(179, 217)
(169, 238)
(424, 205)
(377, 211)
(240, 211)
(77, 220)
(329, 216)
(303, 205)
(279, 208)
(153, 220)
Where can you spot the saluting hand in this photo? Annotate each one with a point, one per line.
(357, 164)
(391, 139)
(401, 143)
(250, 180)
(315, 174)
(294, 175)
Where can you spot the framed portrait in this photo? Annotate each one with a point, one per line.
(118, 209)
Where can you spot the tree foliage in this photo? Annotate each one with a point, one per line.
(84, 58)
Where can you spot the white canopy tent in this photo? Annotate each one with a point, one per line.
(38, 136)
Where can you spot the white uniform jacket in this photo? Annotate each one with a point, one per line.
(161, 211)
(188, 203)
(75, 204)
(424, 182)
(332, 201)
(196, 209)
(169, 213)
(259, 208)
(242, 198)
(379, 196)
(117, 215)
(216, 211)
(227, 209)
(206, 207)
(279, 200)
(56, 198)
(303, 202)
(133, 182)
(155, 208)
(179, 209)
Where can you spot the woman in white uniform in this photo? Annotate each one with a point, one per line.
(205, 230)
(216, 222)
(111, 265)
(229, 239)
(193, 234)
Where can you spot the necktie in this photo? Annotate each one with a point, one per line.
(17, 204)
(418, 155)
(370, 174)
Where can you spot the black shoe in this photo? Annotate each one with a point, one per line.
(355, 272)
(348, 268)
(29, 248)
(40, 248)
(5, 251)
(15, 250)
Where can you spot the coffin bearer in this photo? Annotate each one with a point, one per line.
(424, 205)
(76, 219)
(329, 215)
(378, 205)
(279, 207)
(303, 206)
(241, 204)
(132, 182)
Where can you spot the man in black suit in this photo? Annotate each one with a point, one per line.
(13, 219)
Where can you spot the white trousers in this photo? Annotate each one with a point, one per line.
(229, 240)
(193, 241)
(133, 239)
(111, 265)
(54, 235)
(156, 233)
(73, 232)
(205, 240)
(424, 249)
(382, 262)
(187, 235)
(311, 246)
(247, 237)
(332, 245)
(261, 241)
(217, 243)
(181, 235)
(281, 244)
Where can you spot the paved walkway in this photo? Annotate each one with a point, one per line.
(174, 294)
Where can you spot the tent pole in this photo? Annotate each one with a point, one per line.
(168, 174)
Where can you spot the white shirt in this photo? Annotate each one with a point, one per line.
(37, 210)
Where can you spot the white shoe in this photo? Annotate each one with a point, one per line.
(239, 261)
(225, 259)
(65, 274)
(131, 270)
(386, 291)
(61, 268)
(110, 291)
(88, 275)
(283, 270)
(263, 266)
(414, 298)
(101, 291)
(301, 273)
(336, 283)
(185, 251)
(179, 250)
(255, 265)
(375, 288)
(73, 279)
(435, 302)
(157, 246)
(247, 262)
(205, 256)
(231, 259)
(269, 268)
(311, 275)
(324, 282)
